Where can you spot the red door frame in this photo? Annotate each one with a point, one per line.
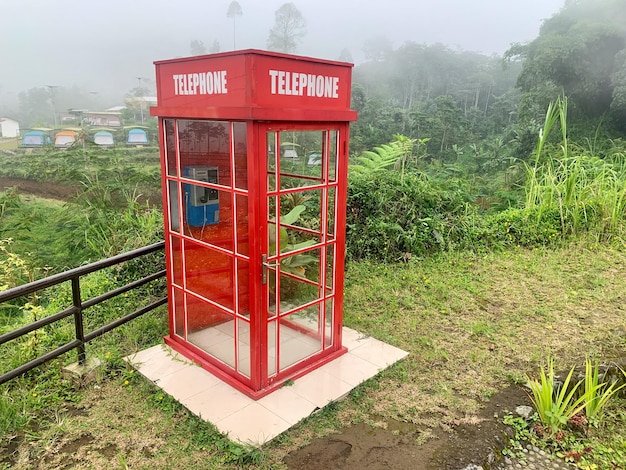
(259, 383)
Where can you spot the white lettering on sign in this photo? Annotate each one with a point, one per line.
(303, 84)
(205, 83)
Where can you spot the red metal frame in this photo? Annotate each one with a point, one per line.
(265, 92)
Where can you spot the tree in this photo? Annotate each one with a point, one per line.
(345, 55)
(234, 10)
(289, 29)
(577, 53)
(215, 47)
(377, 48)
(36, 107)
(197, 47)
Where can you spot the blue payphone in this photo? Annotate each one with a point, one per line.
(202, 205)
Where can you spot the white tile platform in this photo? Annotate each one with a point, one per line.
(256, 422)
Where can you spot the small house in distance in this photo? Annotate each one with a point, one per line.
(103, 118)
(9, 127)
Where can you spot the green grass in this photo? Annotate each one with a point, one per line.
(472, 323)
(9, 144)
(130, 167)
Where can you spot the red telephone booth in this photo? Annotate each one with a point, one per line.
(254, 155)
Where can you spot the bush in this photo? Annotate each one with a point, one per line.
(387, 217)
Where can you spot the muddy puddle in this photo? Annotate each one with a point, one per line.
(406, 446)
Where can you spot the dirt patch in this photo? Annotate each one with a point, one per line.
(65, 193)
(40, 189)
(407, 446)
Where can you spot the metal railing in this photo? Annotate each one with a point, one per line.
(78, 306)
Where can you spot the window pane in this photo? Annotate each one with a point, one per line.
(170, 147)
(209, 273)
(243, 229)
(177, 260)
(299, 280)
(243, 346)
(332, 156)
(211, 330)
(179, 312)
(328, 331)
(299, 336)
(240, 144)
(301, 158)
(205, 144)
(174, 216)
(332, 208)
(208, 215)
(243, 287)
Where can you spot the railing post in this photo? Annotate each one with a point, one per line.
(78, 319)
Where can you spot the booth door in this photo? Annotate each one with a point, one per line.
(300, 246)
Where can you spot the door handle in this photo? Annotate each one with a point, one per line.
(264, 269)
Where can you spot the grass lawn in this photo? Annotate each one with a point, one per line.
(9, 144)
(472, 323)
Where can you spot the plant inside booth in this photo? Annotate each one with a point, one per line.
(295, 265)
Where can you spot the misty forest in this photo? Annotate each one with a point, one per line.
(460, 163)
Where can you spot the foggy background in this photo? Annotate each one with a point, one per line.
(102, 47)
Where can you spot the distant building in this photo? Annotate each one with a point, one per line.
(9, 127)
(103, 118)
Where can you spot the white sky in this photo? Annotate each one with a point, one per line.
(103, 46)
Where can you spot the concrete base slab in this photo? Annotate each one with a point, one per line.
(256, 422)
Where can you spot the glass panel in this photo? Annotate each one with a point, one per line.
(299, 336)
(271, 348)
(332, 156)
(243, 287)
(208, 215)
(179, 312)
(243, 229)
(271, 182)
(300, 210)
(329, 331)
(177, 260)
(330, 266)
(202, 315)
(272, 294)
(300, 158)
(299, 280)
(243, 346)
(272, 229)
(217, 337)
(170, 147)
(240, 145)
(209, 273)
(271, 161)
(332, 209)
(204, 145)
(173, 198)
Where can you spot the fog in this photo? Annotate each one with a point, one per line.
(103, 47)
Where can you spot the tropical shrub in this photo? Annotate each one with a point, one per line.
(390, 214)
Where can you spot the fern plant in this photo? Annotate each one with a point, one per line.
(387, 156)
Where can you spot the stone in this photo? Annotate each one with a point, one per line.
(524, 411)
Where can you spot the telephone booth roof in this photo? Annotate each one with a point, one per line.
(254, 85)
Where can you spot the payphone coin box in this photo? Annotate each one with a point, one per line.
(201, 203)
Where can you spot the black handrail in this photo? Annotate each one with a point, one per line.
(78, 307)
